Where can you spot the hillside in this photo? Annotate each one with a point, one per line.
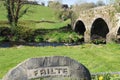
(35, 12)
(2, 11)
(34, 15)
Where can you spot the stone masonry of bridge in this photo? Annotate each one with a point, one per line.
(99, 23)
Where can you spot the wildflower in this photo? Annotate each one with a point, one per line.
(115, 75)
(101, 78)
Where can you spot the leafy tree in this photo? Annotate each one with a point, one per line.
(54, 4)
(114, 1)
(116, 4)
(14, 11)
(100, 3)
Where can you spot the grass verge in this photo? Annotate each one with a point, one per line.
(97, 58)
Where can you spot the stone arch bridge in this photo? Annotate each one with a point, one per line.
(99, 23)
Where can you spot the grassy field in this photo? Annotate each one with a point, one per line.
(97, 58)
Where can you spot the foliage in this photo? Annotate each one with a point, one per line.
(54, 4)
(99, 41)
(68, 37)
(106, 76)
(39, 38)
(2, 39)
(100, 3)
(117, 7)
(60, 13)
(62, 35)
(65, 14)
(74, 16)
(5, 34)
(5, 31)
(23, 33)
(116, 4)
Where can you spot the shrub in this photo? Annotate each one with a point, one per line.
(2, 39)
(62, 37)
(65, 14)
(14, 39)
(5, 31)
(99, 41)
(39, 38)
(23, 33)
(5, 34)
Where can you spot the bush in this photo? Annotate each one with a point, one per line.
(22, 33)
(39, 38)
(62, 37)
(2, 39)
(5, 34)
(5, 31)
(99, 41)
(65, 14)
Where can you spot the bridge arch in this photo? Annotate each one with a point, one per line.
(79, 28)
(99, 30)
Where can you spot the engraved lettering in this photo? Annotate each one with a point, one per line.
(42, 72)
(58, 70)
(36, 72)
(65, 71)
(48, 71)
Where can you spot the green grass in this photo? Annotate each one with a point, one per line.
(3, 11)
(35, 14)
(56, 25)
(97, 58)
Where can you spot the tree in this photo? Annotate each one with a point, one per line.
(54, 4)
(114, 1)
(14, 11)
(116, 4)
(100, 3)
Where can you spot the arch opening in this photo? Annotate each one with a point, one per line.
(99, 30)
(80, 29)
(118, 35)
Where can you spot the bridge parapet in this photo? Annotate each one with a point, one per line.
(96, 20)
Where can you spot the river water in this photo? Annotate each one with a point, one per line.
(43, 44)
